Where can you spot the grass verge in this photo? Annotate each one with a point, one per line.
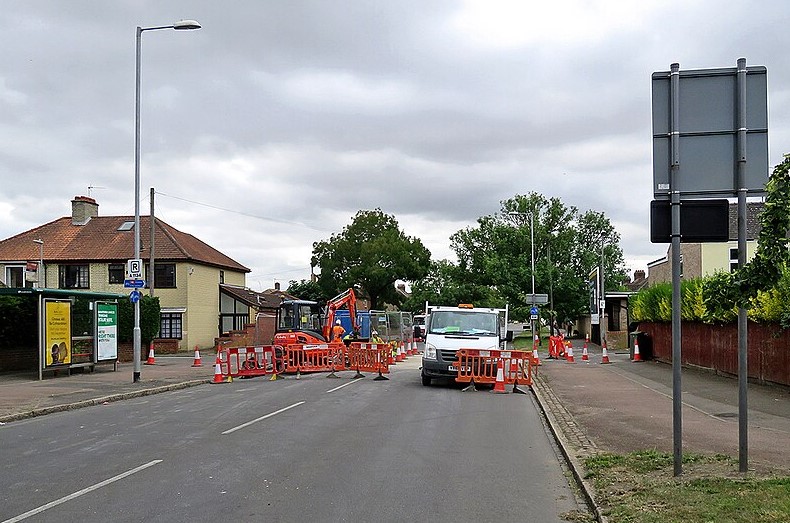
(640, 487)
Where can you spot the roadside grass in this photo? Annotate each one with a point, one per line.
(640, 487)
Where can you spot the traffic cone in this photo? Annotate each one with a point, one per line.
(197, 362)
(217, 370)
(585, 356)
(569, 354)
(637, 357)
(399, 356)
(535, 356)
(605, 356)
(499, 384)
(150, 360)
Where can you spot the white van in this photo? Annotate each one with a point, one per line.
(449, 329)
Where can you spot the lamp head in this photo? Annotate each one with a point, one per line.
(185, 25)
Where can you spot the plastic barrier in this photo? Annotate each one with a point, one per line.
(369, 357)
(326, 357)
(557, 345)
(248, 362)
(480, 366)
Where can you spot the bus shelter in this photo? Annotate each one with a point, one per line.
(57, 329)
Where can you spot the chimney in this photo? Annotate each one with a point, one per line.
(276, 286)
(83, 208)
(639, 275)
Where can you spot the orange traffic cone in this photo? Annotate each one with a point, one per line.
(150, 360)
(637, 357)
(217, 370)
(605, 356)
(499, 385)
(197, 362)
(585, 356)
(569, 354)
(535, 356)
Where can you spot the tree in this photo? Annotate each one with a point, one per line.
(567, 246)
(370, 254)
(307, 290)
(446, 284)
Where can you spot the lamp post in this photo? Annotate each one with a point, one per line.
(532, 248)
(40, 270)
(178, 26)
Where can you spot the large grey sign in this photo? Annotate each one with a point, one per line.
(707, 131)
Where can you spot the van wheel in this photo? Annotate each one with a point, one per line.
(426, 380)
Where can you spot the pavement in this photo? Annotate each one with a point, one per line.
(591, 407)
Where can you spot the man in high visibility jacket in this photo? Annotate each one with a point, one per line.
(375, 338)
(337, 332)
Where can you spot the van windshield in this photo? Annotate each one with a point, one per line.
(463, 323)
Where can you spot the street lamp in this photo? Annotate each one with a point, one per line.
(532, 247)
(178, 26)
(40, 270)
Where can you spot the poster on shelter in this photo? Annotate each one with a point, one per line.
(57, 332)
(106, 331)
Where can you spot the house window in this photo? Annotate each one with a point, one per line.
(733, 259)
(74, 277)
(170, 325)
(164, 275)
(15, 276)
(117, 272)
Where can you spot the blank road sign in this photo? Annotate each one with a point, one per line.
(708, 127)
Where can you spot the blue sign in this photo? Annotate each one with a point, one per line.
(134, 296)
(134, 284)
(533, 311)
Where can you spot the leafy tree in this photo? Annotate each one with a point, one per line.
(567, 246)
(446, 284)
(307, 290)
(370, 254)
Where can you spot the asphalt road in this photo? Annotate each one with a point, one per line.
(313, 449)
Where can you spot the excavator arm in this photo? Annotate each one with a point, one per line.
(349, 300)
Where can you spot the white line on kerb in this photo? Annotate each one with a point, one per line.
(256, 420)
(79, 493)
(343, 385)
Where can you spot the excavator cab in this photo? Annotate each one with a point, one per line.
(299, 321)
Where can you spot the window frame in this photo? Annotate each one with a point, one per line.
(112, 270)
(82, 279)
(170, 321)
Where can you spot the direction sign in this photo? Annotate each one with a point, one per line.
(533, 311)
(134, 296)
(134, 284)
(537, 299)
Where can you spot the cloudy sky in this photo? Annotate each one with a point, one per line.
(271, 126)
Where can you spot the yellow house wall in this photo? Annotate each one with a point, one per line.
(197, 290)
(716, 256)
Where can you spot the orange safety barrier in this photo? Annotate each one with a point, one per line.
(248, 362)
(369, 357)
(480, 366)
(325, 357)
(557, 346)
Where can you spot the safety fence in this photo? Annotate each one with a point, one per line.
(557, 346)
(274, 360)
(477, 366)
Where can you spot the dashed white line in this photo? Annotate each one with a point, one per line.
(256, 420)
(82, 492)
(343, 385)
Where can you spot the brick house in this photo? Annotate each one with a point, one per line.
(86, 251)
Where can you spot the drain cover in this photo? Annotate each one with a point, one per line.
(727, 415)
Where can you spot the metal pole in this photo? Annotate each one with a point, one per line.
(152, 274)
(602, 301)
(743, 430)
(677, 390)
(136, 331)
(532, 249)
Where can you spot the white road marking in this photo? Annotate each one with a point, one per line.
(343, 385)
(256, 420)
(82, 492)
